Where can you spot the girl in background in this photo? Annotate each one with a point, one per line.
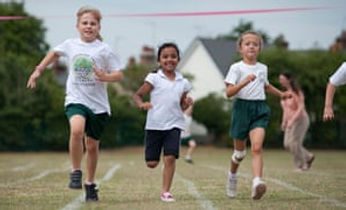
(295, 121)
(186, 138)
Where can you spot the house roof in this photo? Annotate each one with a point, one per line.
(221, 51)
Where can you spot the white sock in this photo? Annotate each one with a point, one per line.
(76, 169)
(88, 183)
(256, 180)
(232, 175)
(188, 157)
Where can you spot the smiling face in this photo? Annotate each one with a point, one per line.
(249, 47)
(88, 27)
(168, 59)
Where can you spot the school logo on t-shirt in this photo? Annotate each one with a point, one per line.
(83, 67)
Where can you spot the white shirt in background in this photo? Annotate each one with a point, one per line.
(339, 77)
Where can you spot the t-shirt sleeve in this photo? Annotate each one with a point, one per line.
(113, 61)
(187, 85)
(232, 76)
(62, 49)
(266, 80)
(339, 77)
(151, 78)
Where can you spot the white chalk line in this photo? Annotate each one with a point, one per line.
(76, 203)
(204, 203)
(287, 186)
(18, 168)
(37, 177)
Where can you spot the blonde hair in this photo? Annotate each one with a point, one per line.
(92, 10)
(240, 39)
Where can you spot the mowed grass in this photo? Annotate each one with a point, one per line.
(39, 181)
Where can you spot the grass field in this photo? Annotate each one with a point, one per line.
(39, 181)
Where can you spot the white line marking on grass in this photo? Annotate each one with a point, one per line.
(110, 173)
(75, 204)
(23, 168)
(19, 168)
(47, 172)
(205, 203)
(294, 188)
(287, 186)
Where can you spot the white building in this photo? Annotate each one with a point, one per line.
(208, 61)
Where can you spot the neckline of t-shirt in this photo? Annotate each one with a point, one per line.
(249, 65)
(87, 43)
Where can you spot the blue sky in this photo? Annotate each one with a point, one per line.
(302, 29)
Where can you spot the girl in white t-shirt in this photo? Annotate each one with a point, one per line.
(91, 63)
(337, 79)
(247, 81)
(168, 98)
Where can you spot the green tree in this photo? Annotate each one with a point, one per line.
(213, 112)
(241, 28)
(29, 120)
(280, 42)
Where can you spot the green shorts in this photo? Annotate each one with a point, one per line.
(247, 115)
(94, 123)
(185, 140)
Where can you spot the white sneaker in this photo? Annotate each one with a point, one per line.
(258, 190)
(167, 197)
(231, 187)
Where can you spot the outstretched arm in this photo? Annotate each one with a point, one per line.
(328, 113)
(48, 59)
(273, 90)
(115, 76)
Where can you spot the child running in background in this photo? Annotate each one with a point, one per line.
(186, 138)
(337, 79)
(168, 98)
(295, 122)
(247, 81)
(91, 63)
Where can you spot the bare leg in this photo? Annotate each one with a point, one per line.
(168, 172)
(92, 151)
(192, 146)
(257, 138)
(77, 125)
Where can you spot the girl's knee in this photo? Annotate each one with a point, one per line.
(192, 144)
(152, 164)
(76, 135)
(92, 146)
(256, 149)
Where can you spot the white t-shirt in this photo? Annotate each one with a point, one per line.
(165, 97)
(255, 89)
(339, 77)
(82, 86)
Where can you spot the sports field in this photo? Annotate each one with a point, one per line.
(39, 181)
